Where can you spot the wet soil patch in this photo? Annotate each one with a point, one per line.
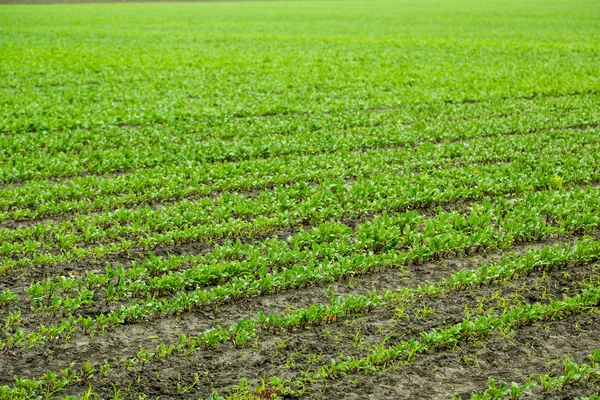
(286, 355)
(125, 340)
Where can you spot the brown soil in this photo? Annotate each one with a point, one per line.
(433, 375)
(443, 373)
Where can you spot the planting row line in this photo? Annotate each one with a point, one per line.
(433, 118)
(172, 183)
(173, 106)
(211, 219)
(554, 214)
(125, 159)
(383, 237)
(573, 374)
(583, 251)
(511, 267)
(478, 328)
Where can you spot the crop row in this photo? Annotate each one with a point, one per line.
(533, 218)
(87, 160)
(210, 219)
(574, 373)
(581, 252)
(430, 117)
(379, 354)
(122, 94)
(67, 100)
(477, 328)
(379, 237)
(170, 183)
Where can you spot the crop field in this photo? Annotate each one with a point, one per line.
(300, 199)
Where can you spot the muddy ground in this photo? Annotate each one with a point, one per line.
(510, 356)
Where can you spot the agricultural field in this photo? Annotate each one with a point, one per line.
(386, 199)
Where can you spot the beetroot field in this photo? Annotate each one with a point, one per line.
(370, 199)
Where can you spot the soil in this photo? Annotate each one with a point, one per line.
(442, 374)
(439, 375)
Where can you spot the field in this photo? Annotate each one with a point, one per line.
(300, 199)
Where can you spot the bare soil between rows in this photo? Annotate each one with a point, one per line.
(434, 375)
(286, 354)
